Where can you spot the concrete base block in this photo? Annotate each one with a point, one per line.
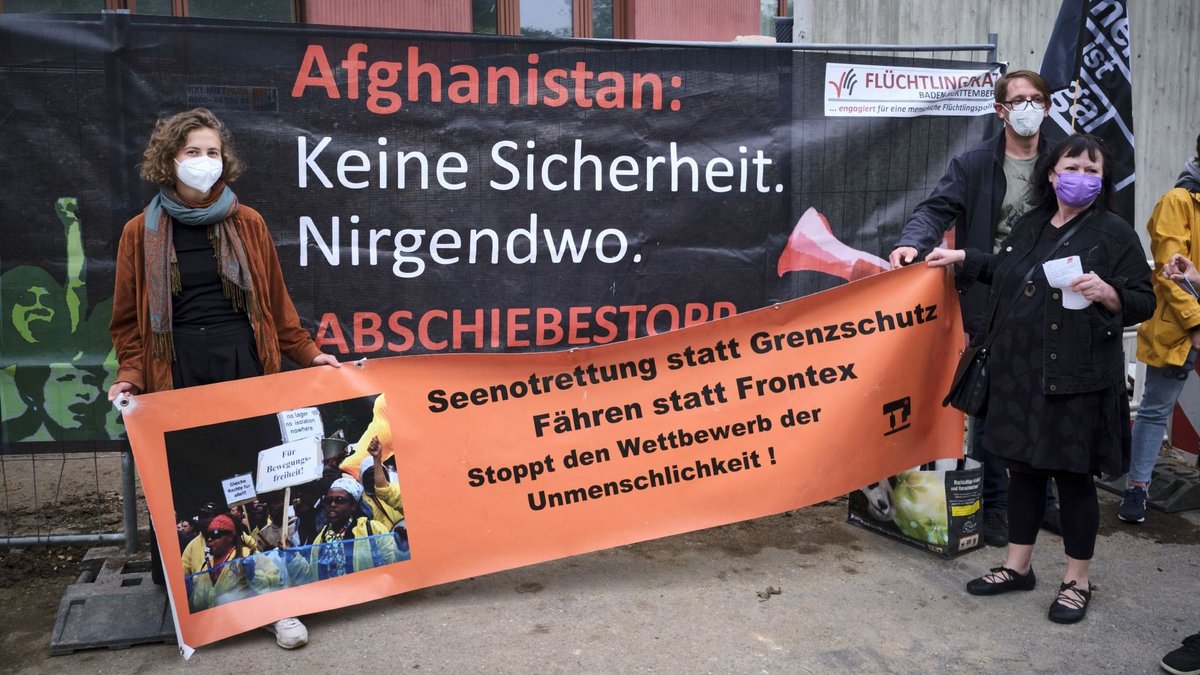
(1172, 487)
(113, 605)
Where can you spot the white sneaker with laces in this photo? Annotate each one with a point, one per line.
(289, 633)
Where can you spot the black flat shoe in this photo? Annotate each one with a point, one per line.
(1071, 604)
(1002, 580)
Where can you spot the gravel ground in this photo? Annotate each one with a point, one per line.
(848, 600)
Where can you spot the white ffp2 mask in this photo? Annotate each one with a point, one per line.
(199, 173)
(1026, 122)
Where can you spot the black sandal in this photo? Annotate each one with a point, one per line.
(1071, 604)
(1002, 580)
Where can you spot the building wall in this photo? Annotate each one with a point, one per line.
(439, 15)
(1166, 58)
(697, 20)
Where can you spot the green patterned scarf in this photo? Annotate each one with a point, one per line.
(162, 267)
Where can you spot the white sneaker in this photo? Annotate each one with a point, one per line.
(289, 633)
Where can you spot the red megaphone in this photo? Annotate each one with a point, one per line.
(812, 247)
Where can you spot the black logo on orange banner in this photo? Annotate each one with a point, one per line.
(898, 413)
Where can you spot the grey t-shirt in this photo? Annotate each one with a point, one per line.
(1018, 173)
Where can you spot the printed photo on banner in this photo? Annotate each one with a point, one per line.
(278, 501)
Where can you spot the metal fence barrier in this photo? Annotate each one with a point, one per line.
(62, 498)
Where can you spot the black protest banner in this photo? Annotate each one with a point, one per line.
(449, 193)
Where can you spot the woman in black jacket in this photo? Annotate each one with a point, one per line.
(1057, 406)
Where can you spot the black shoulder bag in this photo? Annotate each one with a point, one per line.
(969, 388)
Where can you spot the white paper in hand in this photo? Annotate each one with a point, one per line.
(1060, 273)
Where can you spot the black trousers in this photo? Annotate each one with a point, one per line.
(1078, 506)
(208, 356)
(205, 356)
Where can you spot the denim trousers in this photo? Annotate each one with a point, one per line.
(1163, 387)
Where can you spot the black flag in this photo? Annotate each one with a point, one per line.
(1087, 66)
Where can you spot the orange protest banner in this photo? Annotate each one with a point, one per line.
(503, 460)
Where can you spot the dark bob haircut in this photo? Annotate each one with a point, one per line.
(1073, 146)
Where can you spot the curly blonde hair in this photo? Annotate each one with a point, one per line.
(170, 134)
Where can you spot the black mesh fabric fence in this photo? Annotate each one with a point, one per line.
(447, 193)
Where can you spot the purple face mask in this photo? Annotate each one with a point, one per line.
(1077, 190)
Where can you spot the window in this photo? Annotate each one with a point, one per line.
(153, 7)
(48, 6)
(546, 18)
(602, 18)
(770, 10)
(549, 18)
(483, 16)
(250, 10)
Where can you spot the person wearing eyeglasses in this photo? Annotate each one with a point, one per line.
(348, 542)
(983, 192)
(1169, 341)
(309, 509)
(225, 575)
(195, 552)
